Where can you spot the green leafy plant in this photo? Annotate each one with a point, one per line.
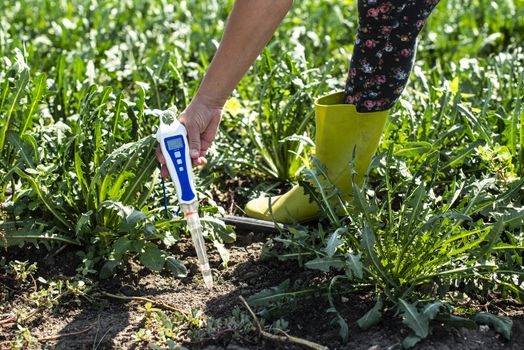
(279, 125)
(92, 189)
(415, 248)
(81, 86)
(16, 121)
(168, 328)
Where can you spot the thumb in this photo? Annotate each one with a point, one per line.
(193, 136)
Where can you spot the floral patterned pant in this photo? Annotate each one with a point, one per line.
(384, 51)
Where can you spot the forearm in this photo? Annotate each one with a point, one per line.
(250, 26)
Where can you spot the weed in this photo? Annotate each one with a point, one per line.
(40, 296)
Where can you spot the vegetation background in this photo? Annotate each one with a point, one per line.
(438, 222)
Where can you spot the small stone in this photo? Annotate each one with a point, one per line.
(345, 300)
(484, 328)
(375, 347)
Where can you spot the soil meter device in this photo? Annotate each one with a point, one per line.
(172, 136)
(173, 142)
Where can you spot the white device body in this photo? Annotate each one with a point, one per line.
(172, 138)
(175, 148)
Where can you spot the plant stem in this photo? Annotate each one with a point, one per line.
(285, 338)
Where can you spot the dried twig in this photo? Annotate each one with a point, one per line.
(158, 303)
(285, 338)
(53, 337)
(55, 253)
(8, 321)
(32, 313)
(14, 319)
(35, 287)
(59, 336)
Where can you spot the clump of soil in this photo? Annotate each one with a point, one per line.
(114, 323)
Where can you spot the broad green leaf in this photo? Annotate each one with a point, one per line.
(413, 319)
(21, 236)
(355, 265)
(108, 269)
(515, 219)
(150, 229)
(372, 317)
(324, 264)
(26, 150)
(334, 241)
(121, 246)
(168, 239)
(172, 345)
(410, 341)
(146, 145)
(83, 223)
(344, 329)
(456, 321)
(137, 246)
(501, 324)
(118, 186)
(431, 310)
(132, 218)
(272, 294)
(224, 232)
(152, 257)
(176, 267)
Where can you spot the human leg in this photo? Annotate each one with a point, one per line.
(384, 51)
(380, 67)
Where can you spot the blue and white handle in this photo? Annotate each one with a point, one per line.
(175, 148)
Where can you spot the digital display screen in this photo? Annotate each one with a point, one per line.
(174, 143)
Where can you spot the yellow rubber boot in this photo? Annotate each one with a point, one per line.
(339, 128)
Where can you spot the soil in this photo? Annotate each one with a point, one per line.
(114, 323)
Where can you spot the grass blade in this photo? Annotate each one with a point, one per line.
(22, 83)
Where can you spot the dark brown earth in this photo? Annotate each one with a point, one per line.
(114, 323)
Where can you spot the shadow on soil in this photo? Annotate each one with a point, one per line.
(112, 324)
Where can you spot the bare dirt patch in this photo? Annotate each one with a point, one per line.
(106, 323)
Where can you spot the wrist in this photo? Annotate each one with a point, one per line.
(210, 101)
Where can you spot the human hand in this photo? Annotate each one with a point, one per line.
(201, 120)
